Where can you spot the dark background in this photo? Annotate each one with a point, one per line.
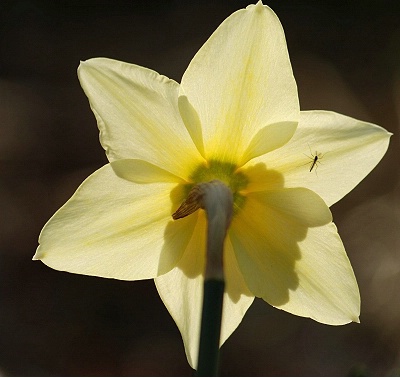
(345, 56)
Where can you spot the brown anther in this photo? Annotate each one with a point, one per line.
(192, 203)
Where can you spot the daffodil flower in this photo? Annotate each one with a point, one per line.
(235, 117)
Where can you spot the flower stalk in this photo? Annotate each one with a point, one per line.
(218, 204)
(217, 201)
(208, 361)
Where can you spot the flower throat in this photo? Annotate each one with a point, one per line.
(228, 173)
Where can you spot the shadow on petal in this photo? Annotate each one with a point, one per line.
(260, 178)
(262, 247)
(180, 238)
(265, 236)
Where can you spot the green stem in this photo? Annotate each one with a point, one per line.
(217, 200)
(210, 328)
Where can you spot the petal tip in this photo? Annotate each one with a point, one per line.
(356, 319)
(38, 255)
(259, 6)
(84, 63)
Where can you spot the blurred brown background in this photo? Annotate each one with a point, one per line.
(345, 56)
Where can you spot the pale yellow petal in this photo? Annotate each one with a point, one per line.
(138, 116)
(265, 234)
(142, 172)
(192, 122)
(298, 266)
(327, 289)
(114, 228)
(241, 81)
(185, 304)
(268, 139)
(349, 149)
(237, 298)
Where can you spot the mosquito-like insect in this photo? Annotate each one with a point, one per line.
(315, 159)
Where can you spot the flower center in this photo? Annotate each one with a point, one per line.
(228, 173)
